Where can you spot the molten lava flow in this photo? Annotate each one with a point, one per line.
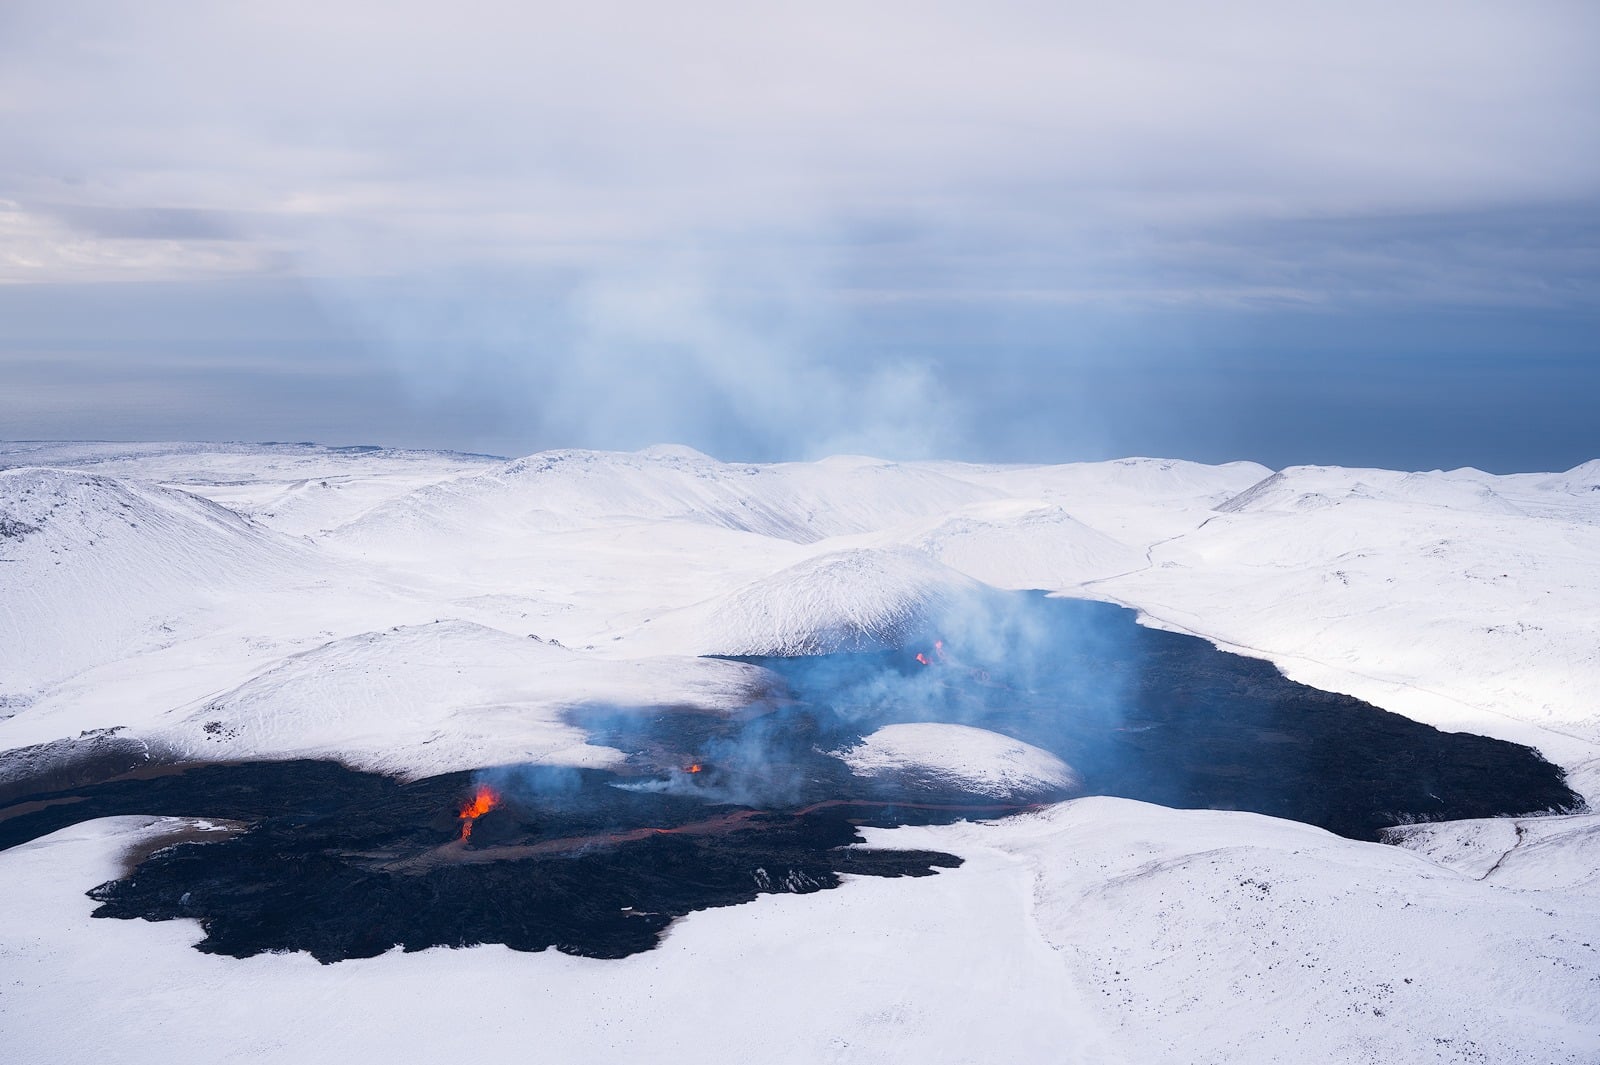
(923, 659)
(483, 800)
(697, 767)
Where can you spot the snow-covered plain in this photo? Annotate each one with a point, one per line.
(377, 607)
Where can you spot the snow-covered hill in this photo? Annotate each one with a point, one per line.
(294, 488)
(563, 490)
(95, 569)
(969, 759)
(244, 601)
(1225, 937)
(423, 699)
(854, 600)
(1446, 597)
(1521, 852)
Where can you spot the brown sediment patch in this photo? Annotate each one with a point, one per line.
(182, 830)
(17, 809)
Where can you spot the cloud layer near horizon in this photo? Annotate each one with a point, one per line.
(611, 223)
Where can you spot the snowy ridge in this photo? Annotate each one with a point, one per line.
(855, 600)
(1142, 480)
(1306, 487)
(1419, 592)
(1581, 479)
(425, 699)
(294, 488)
(562, 490)
(1263, 489)
(197, 463)
(95, 569)
(1022, 545)
(1522, 852)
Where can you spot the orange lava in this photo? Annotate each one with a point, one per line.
(697, 767)
(483, 800)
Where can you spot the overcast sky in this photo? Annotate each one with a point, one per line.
(1349, 233)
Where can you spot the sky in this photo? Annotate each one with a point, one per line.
(1355, 233)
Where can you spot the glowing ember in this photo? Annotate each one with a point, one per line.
(923, 659)
(483, 800)
(697, 767)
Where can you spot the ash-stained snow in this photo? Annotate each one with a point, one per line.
(563, 490)
(969, 759)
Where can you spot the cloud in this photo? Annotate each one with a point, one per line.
(365, 137)
(95, 244)
(728, 352)
(613, 223)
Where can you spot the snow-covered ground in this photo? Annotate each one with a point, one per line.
(1100, 930)
(376, 697)
(971, 759)
(377, 606)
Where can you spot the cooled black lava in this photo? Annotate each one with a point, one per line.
(345, 864)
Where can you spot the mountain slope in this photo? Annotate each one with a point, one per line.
(423, 699)
(562, 490)
(969, 759)
(1024, 545)
(861, 599)
(96, 569)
